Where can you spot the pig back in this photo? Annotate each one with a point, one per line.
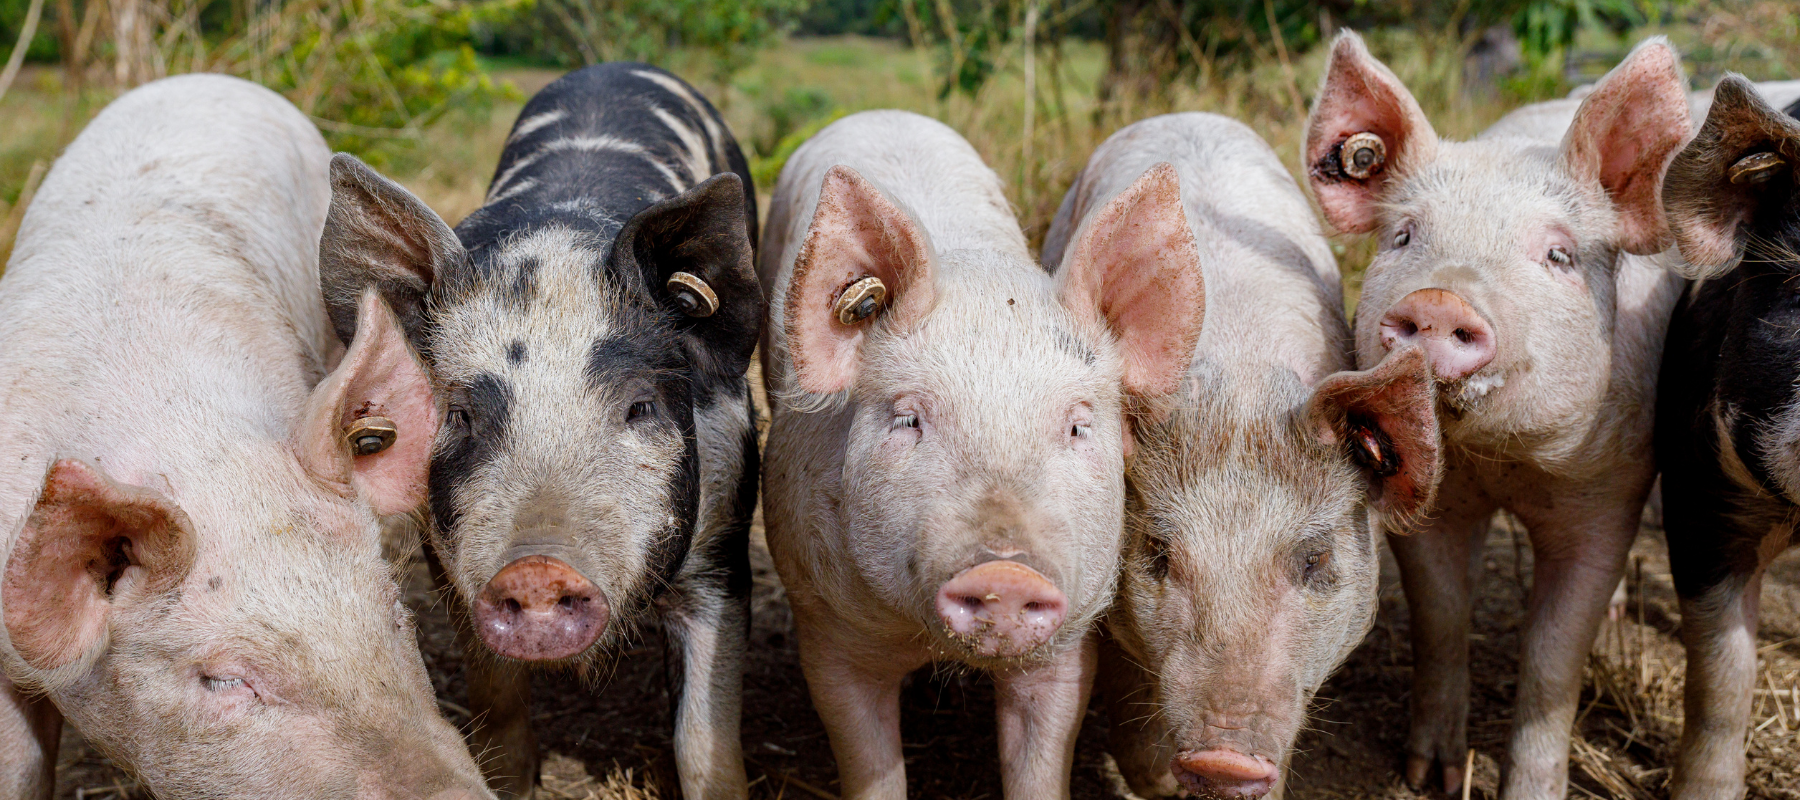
(162, 298)
(1273, 294)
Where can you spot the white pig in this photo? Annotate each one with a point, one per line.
(193, 574)
(944, 477)
(1510, 260)
(1251, 565)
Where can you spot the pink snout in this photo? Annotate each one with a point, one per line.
(1220, 773)
(539, 609)
(1001, 609)
(1455, 336)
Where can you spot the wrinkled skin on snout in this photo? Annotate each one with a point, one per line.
(192, 563)
(945, 477)
(1513, 262)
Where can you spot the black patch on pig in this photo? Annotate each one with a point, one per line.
(486, 405)
(1733, 350)
(515, 352)
(523, 286)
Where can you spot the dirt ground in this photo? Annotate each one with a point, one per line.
(610, 741)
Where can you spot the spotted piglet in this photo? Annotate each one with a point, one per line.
(1251, 564)
(1512, 261)
(945, 478)
(589, 327)
(1728, 414)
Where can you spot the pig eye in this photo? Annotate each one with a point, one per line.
(906, 421)
(459, 420)
(221, 684)
(641, 408)
(1080, 430)
(1315, 564)
(1560, 257)
(1402, 237)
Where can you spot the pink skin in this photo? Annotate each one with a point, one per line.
(1224, 773)
(1455, 337)
(538, 608)
(1007, 608)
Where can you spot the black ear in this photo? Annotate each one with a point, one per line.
(1742, 159)
(694, 251)
(379, 234)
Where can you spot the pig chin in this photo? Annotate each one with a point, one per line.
(1473, 394)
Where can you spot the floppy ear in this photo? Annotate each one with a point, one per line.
(380, 382)
(89, 546)
(856, 233)
(694, 250)
(1624, 134)
(1741, 160)
(1134, 268)
(1385, 419)
(1360, 98)
(378, 234)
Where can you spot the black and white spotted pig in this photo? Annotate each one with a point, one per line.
(590, 326)
(1728, 410)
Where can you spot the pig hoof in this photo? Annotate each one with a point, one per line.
(1221, 773)
(1001, 609)
(1416, 767)
(539, 609)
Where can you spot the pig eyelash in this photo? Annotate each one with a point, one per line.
(1079, 430)
(641, 408)
(1402, 237)
(224, 684)
(1560, 258)
(459, 420)
(906, 421)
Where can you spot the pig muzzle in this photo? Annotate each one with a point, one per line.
(1456, 338)
(1219, 773)
(1001, 608)
(538, 608)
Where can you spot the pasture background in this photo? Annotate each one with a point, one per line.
(427, 91)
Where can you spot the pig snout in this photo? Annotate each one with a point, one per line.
(1456, 338)
(1220, 773)
(1001, 609)
(538, 608)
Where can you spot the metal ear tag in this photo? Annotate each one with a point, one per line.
(694, 296)
(860, 300)
(1757, 168)
(1362, 154)
(371, 435)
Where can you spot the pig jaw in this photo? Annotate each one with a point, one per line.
(1478, 226)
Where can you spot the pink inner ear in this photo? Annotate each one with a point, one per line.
(378, 377)
(1360, 95)
(1137, 267)
(53, 587)
(856, 232)
(1624, 135)
(1398, 397)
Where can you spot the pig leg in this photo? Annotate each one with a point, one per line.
(500, 735)
(30, 730)
(1040, 711)
(706, 629)
(855, 687)
(1135, 736)
(1440, 569)
(1718, 628)
(1577, 560)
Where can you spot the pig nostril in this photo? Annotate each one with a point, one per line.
(567, 602)
(973, 602)
(1463, 335)
(1409, 328)
(512, 606)
(1034, 606)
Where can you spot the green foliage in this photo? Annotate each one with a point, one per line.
(728, 32)
(1548, 26)
(43, 46)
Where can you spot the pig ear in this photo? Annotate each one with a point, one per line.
(695, 251)
(1134, 267)
(1386, 420)
(1623, 136)
(1742, 159)
(379, 388)
(1361, 100)
(90, 545)
(378, 234)
(856, 233)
